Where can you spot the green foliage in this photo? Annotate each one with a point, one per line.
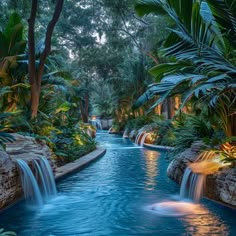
(138, 122)
(164, 132)
(228, 153)
(189, 129)
(11, 39)
(4, 125)
(72, 143)
(200, 56)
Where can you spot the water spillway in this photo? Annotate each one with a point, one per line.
(29, 184)
(192, 185)
(38, 185)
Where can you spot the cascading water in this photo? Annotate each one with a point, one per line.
(192, 185)
(29, 183)
(96, 123)
(45, 177)
(138, 137)
(38, 189)
(144, 138)
(126, 133)
(40, 178)
(48, 176)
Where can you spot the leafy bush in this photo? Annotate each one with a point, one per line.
(4, 126)
(164, 133)
(138, 122)
(72, 143)
(189, 129)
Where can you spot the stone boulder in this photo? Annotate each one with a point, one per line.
(177, 166)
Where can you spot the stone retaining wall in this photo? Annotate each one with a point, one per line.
(220, 186)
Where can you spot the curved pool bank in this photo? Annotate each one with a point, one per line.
(113, 195)
(70, 168)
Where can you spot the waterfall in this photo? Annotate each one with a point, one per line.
(144, 138)
(48, 176)
(40, 178)
(29, 183)
(41, 187)
(138, 137)
(96, 123)
(141, 137)
(126, 133)
(192, 185)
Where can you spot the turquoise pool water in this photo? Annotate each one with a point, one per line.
(113, 196)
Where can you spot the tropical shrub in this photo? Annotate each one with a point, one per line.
(189, 129)
(199, 55)
(138, 122)
(164, 133)
(4, 125)
(72, 143)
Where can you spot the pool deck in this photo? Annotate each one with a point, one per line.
(78, 164)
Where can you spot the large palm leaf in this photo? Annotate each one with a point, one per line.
(200, 50)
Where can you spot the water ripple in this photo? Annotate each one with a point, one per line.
(111, 196)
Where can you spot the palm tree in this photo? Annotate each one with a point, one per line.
(200, 51)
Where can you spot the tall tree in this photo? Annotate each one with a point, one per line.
(36, 73)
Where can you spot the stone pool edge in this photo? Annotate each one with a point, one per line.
(78, 164)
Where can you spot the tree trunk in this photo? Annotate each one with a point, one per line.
(31, 64)
(84, 108)
(35, 76)
(35, 94)
(169, 108)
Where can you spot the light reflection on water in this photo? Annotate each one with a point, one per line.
(151, 160)
(205, 224)
(198, 220)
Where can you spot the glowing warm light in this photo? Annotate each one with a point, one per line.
(200, 224)
(151, 169)
(206, 167)
(197, 219)
(150, 138)
(174, 208)
(144, 137)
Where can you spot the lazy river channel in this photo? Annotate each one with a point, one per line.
(115, 196)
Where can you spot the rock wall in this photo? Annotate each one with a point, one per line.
(220, 186)
(23, 147)
(176, 168)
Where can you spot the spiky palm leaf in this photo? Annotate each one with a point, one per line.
(200, 50)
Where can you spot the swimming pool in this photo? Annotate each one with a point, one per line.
(112, 197)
